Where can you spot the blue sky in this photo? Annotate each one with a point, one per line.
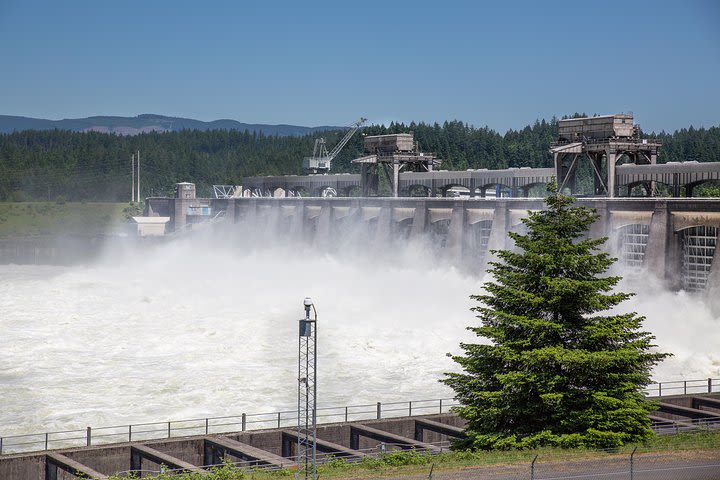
(500, 64)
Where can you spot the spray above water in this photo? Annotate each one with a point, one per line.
(207, 326)
(192, 329)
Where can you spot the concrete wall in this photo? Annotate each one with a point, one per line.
(114, 458)
(688, 400)
(22, 467)
(268, 440)
(103, 460)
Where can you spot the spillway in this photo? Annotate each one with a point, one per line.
(197, 327)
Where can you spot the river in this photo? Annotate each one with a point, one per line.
(190, 329)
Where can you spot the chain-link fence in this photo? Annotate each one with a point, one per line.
(699, 461)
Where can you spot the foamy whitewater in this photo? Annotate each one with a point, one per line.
(189, 330)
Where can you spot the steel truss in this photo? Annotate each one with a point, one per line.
(307, 392)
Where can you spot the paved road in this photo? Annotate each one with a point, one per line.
(696, 465)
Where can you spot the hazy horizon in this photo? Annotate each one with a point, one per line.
(386, 123)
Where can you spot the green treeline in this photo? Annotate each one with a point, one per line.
(53, 164)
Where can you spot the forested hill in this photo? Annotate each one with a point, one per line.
(144, 123)
(46, 165)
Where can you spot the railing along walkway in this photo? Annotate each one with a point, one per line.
(287, 418)
(214, 425)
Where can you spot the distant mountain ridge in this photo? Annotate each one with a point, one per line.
(148, 123)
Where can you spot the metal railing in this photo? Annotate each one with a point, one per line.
(288, 418)
(214, 425)
(684, 426)
(683, 387)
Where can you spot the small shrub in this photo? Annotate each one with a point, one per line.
(133, 210)
(410, 457)
(337, 462)
(18, 196)
(372, 463)
(227, 471)
(283, 472)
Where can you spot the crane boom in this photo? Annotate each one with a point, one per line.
(321, 160)
(346, 138)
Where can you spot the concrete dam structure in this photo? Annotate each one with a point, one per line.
(672, 238)
(268, 448)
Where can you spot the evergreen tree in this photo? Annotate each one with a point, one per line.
(43, 165)
(559, 370)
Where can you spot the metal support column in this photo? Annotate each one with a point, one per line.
(396, 177)
(611, 159)
(596, 164)
(558, 170)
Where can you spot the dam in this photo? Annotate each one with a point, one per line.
(646, 209)
(672, 238)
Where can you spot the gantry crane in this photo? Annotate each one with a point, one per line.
(321, 159)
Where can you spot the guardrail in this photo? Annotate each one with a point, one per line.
(213, 425)
(684, 426)
(288, 418)
(683, 387)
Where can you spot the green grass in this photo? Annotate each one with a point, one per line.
(413, 463)
(51, 218)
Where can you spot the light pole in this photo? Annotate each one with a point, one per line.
(307, 391)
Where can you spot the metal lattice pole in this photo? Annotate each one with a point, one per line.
(307, 390)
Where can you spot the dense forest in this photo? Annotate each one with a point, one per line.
(58, 164)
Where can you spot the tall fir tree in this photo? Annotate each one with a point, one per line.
(559, 369)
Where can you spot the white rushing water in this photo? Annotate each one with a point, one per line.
(187, 330)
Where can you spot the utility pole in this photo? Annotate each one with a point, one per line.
(138, 176)
(132, 169)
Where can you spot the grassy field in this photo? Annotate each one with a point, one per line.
(409, 463)
(50, 218)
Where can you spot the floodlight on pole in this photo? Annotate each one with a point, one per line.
(307, 392)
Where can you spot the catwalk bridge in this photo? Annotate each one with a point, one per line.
(680, 178)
